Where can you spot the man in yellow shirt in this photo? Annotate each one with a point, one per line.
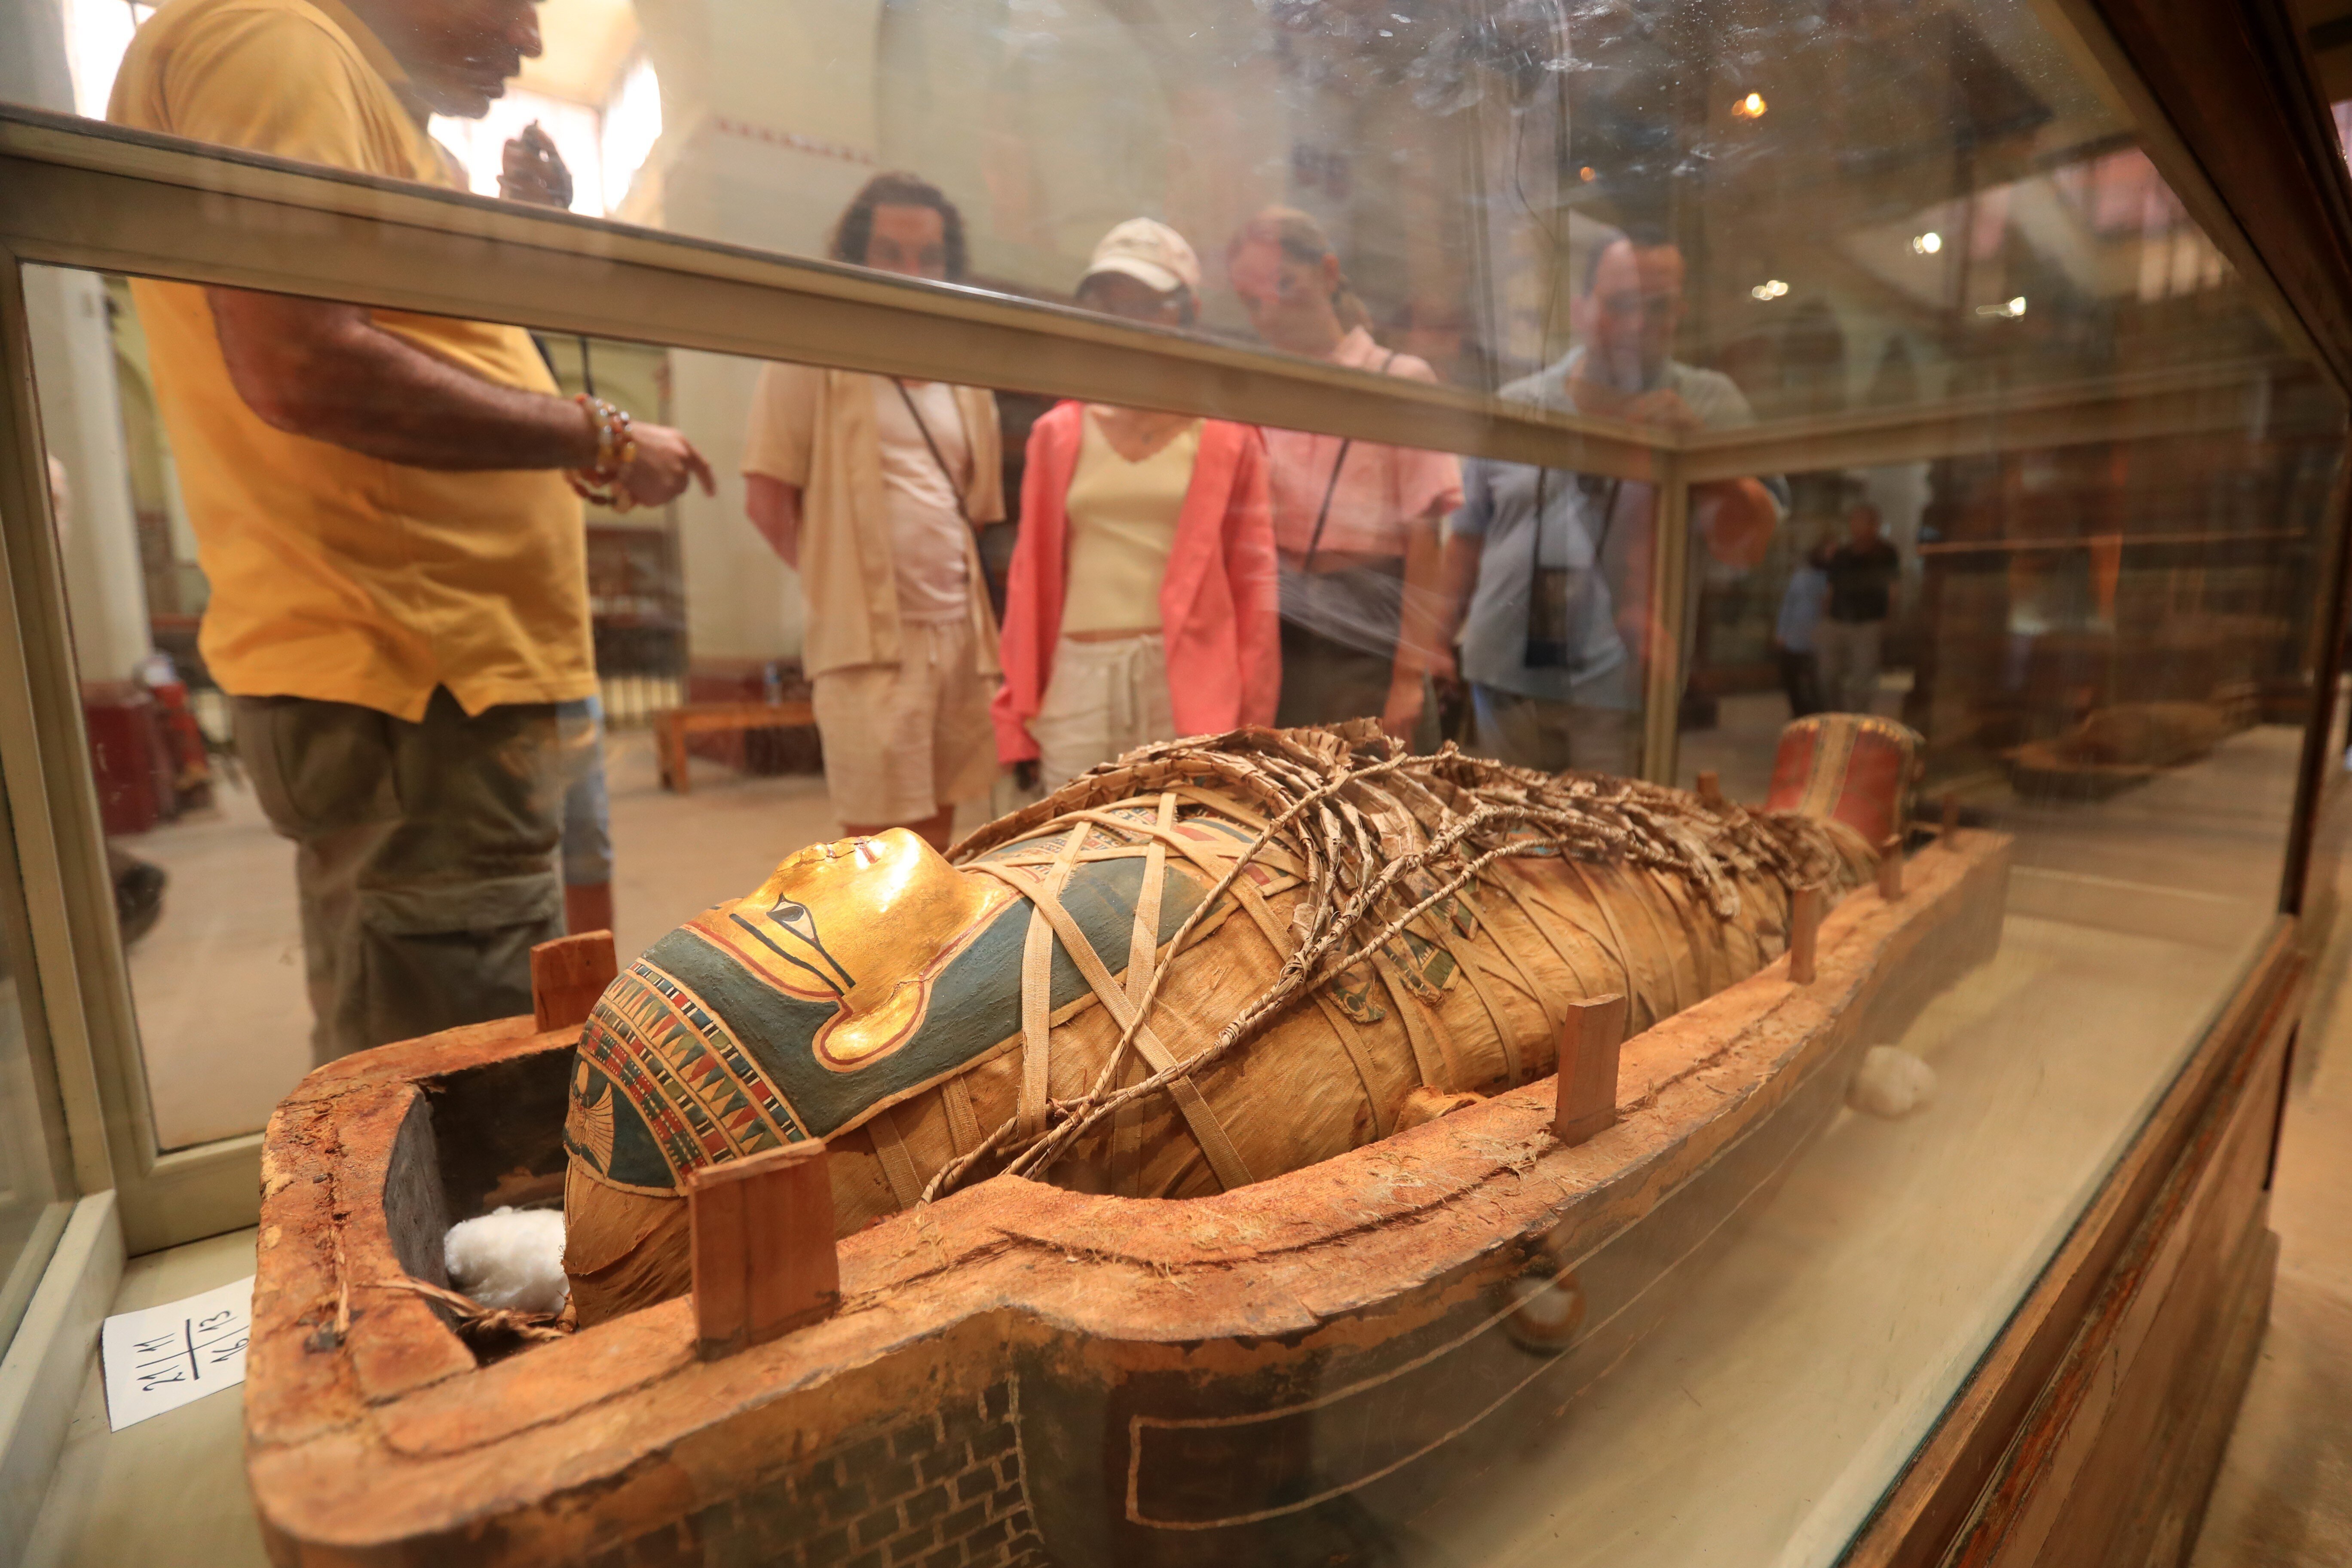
(398, 564)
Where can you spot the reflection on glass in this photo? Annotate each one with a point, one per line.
(1551, 573)
(339, 659)
(35, 1188)
(2019, 464)
(1877, 206)
(2103, 646)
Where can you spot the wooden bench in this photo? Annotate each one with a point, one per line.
(673, 725)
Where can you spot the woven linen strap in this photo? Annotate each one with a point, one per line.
(1554, 1021)
(1142, 957)
(1467, 966)
(1623, 951)
(963, 1117)
(1224, 1159)
(1433, 1053)
(897, 1163)
(1584, 987)
(1350, 1037)
(1214, 860)
(1037, 987)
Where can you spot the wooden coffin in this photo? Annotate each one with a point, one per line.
(1020, 1373)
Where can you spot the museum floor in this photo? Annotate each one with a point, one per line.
(1754, 1423)
(218, 982)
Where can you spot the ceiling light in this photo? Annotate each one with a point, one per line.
(1927, 244)
(1770, 289)
(1752, 106)
(2009, 309)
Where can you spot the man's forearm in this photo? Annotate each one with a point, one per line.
(1745, 516)
(1457, 573)
(1420, 633)
(327, 371)
(774, 508)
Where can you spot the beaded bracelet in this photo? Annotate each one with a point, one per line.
(616, 448)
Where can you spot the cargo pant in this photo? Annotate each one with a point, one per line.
(426, 856)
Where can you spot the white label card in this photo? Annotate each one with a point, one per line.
(160, 1358)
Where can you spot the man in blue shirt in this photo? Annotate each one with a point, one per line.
(1792, 636)
(1557, 628)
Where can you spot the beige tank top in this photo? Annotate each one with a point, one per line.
(1122, 526)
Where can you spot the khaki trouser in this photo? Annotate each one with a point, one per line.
(1553, 737)
(426, 857)
(1847, 652)
(1105, 700)
(904, 740)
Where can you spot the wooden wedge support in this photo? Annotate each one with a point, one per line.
(1710, 787)
(568, 974)
(1804, 933)
(1890, 868)
(765, 1261)
(1588, 1045)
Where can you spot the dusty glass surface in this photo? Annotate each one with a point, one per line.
(36, 1183)
(1878, 271)
(1878, 205)
(1321, 561)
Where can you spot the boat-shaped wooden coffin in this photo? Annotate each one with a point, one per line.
(1021, 1372)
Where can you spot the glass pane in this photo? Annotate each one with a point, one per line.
(35, 1179)
(1876, 206)
(247, 719)
(1972, 413)
(2106, 648)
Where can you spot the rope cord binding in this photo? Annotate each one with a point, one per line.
(1380, 838)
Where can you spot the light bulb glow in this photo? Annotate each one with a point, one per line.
(1752, 107)
(1927, 244)
(1770, 289)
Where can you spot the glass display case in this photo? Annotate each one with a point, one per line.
(1872, 415)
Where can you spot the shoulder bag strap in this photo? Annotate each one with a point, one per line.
(1331, 486)
(954, 488)
(923, 429)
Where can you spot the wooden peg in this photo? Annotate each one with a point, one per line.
(1890, 868)
(1588, 1045)
(568, 974)
(765, 1261)
(1710, 788)
(1804, 934)
(1950, 836)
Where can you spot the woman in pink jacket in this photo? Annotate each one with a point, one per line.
(1143, 602)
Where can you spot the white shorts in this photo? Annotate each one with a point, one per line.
(1105, 698)
(903, 741)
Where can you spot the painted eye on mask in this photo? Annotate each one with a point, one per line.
(795, 918)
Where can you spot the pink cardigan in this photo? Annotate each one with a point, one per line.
(1219, 605)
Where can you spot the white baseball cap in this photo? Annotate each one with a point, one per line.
(1150, 252)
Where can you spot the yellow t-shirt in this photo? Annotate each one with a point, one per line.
(335, 575)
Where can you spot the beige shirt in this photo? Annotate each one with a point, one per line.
(815, 429)
(336, 576)
(1122, 526)
(926, 526)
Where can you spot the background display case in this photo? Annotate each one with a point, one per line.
(2060, 295)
